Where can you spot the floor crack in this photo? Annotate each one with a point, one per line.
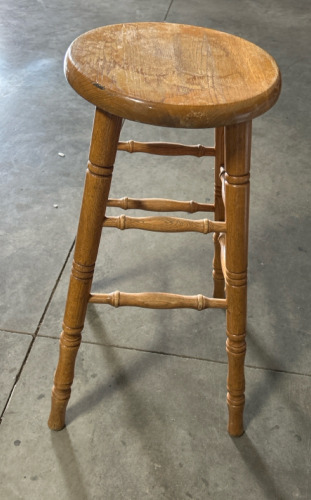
(168, 10)
(34, 336)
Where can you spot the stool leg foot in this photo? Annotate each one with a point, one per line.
(237, 165)
(235, 424)
(56, 420)
(103, 149)
(68, 349)
(236, 386)
(218, 277)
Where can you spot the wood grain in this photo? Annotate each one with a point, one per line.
(164, 224)
(160, 205)
(219, 215)
(165, 148)
(103, 149)
(157, 300)
(173, 75)
(237, 187)
(176, 76)
(222, 243)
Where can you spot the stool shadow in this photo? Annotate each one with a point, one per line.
(68, 465)
(257, 398)
(137, 416)
(123, 377)
(257, 467)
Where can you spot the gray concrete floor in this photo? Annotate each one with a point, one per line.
(147, 417)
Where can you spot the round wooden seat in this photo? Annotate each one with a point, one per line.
(172, 75)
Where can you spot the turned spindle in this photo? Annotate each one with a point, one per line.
(237, 166)
(219, 215)
(105, 138)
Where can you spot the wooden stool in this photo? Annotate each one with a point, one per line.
(173, 76)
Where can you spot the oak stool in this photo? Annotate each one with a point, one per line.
(180, 76)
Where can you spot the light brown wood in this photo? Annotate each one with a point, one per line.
(219, 282)
(222, 243)
(166, 149)
(164, 224)
(173, 75)
(180, 76)
(160, 205)
(157, 300)
(237, 166)
(222, 182)
(105, 138)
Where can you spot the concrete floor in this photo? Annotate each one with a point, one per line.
(147, 417)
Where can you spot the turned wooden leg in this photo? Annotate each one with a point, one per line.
(104, 143)
(219, 282)
(237, 165)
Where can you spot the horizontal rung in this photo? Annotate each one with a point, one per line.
(165, 224)
(157, 300)
(161, 205)
(165, 149)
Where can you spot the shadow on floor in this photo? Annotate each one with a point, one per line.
(68, 465)
(257, 467)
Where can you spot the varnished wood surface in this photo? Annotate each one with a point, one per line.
(165, 149)
(181, 76)
(157, 300)
(165, 224)
(219, 214)
(237, 190)
(172, 75)
(222, 242)
(105, 137)
(160, 205)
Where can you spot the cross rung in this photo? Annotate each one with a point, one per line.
(160, 205)
(165, 224)
(157, 300)
(165, 149)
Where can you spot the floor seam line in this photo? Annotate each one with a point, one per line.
(34, 336)
(53, 290)
(184, 356)
(5, 330)
(168, 10)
